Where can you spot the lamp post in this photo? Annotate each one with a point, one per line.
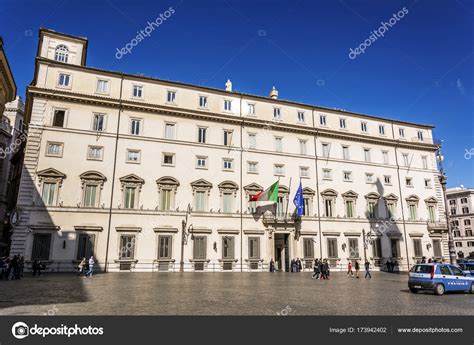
(443, 180)
(185, 230)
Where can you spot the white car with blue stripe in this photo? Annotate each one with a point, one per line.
(439, 278)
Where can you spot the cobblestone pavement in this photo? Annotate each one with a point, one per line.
(223, 294)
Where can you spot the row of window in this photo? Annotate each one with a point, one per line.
(468, 244)
(464, 210)
(455, 223)
(467, 232)
(452, 202)
(103, 87)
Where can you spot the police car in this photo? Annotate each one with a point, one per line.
(439, 278)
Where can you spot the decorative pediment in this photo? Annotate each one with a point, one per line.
(413, 199)
(308, 191)
(92, 176)
(350, 195)
(132, 178)
(329, 193)
(372, 196)
(51, 173)
(167, 181)
(391, 197)
(253, 187)
(431, 200)
(283, 189)
(228, 185)
(201, 184)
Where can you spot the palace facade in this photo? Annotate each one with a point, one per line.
(115, 163)
(461, 216)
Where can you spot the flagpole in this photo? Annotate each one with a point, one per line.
(288, 202)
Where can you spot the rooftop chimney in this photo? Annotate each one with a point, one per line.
(228, 85)
(274, 93)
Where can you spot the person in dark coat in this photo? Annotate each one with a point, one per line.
(36, 267)
(316, 270)
(298, 265)
(357, 268)
(326, 269)
(367, 269)
(272, 265)
(14, 267)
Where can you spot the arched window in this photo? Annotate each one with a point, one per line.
(61, 54)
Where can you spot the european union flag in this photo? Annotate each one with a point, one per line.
(299, 201)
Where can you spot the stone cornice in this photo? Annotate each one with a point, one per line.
(212, 117)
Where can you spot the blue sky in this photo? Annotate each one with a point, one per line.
(420, 71)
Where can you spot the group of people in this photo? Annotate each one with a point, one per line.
(320, 269)
(391, 265)
(12, 268)
(86, 267)
(357, 269)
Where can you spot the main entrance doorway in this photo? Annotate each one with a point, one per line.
(282, 253)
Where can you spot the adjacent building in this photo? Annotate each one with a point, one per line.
(114, 162)
(461, 216)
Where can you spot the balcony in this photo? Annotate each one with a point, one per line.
(280, 221)
(437, 226)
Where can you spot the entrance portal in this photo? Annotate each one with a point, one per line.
(282, 253)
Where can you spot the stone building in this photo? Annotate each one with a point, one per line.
(461, 216)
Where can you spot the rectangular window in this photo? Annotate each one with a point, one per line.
(328, 207)
(463, 201)
(171, 97)
(252, 167)
(102, 86)
(381, 129)
(301, 117)
(48, 193)
(332, 248)
(137, 91)
(401, 132)
(168, 159)
(166, 199)
(468, 233)
(201, 162)
(306, 207)
(133, 156)
(127, 247)
(90, 195)
(437, 248)
(431, 213)
(465, 210)
(228, 164)
(277, 113)
(202, 102)
(85, 246)
(394, 247)
(371, 210)
(363, 127)
(98, 124)
(391, 207)
(278, 144)
(164, 247)
(424, 161)
(302, 146)
(342, 123)
(95, 152)
(58, 118)
(228, 247)
(135, 126)
(228, 137)
(345, 152)
(367, 155)
(279, 169)
(417, 248)
(64, 80)
(130, 197)
(250, 109)
(413, 211)
(387, 179)
(327, 174)
(377, 248)
(427, 183)
(254, 248)
(202, 131)
(304, 172)
(458, 244)
(347, 176)
(169, 130)
(326, 148)
(199, 248)
(406, 161)
(227, 105)
(369, 178)
(252, 140)
(409, 182)
(353, 248)
(420, 135)
(200, 201)
(54, 149)
(227, 202)
(308, 248)
(41, 247)
(322, 120)
(349, 208)
(467, 222)
(385, 157)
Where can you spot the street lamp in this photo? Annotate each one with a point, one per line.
(443, 180)
(185, 231)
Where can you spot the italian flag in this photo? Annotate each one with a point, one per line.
(270, 194)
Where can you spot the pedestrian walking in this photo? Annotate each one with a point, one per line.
(367, 269)
(81, 267)
(316, 270)
(388, 265)
(36, 267)
(326, 269)
(91, 266)
(298, 265)
(349, 269)
(357, 268)
(272, 265)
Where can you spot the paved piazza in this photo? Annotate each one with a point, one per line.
(223, 294)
